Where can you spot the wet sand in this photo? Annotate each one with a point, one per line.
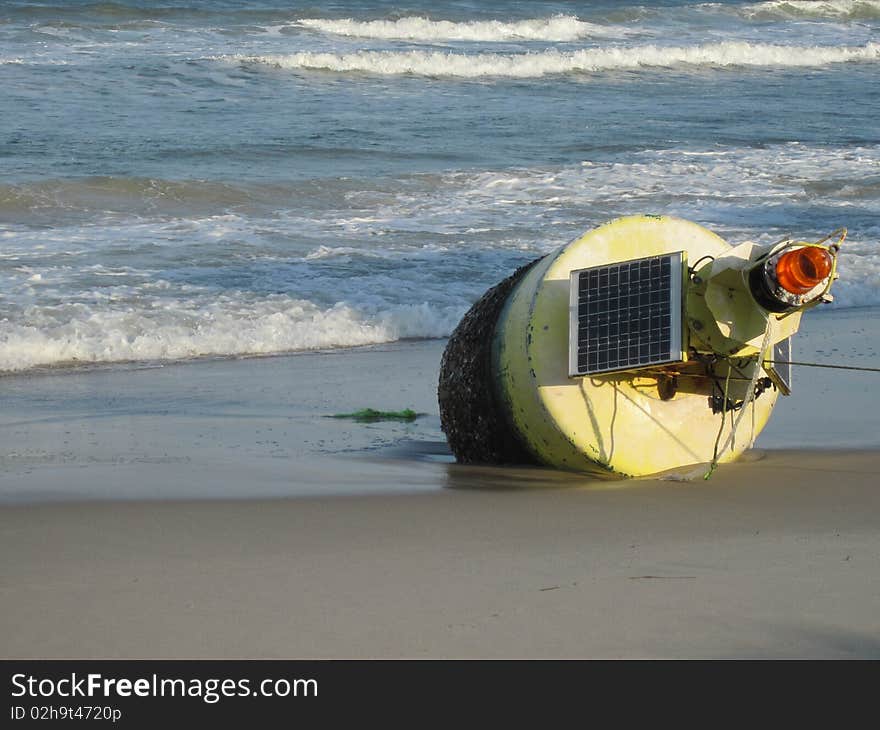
(212, 510)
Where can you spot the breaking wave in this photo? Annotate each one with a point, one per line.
(560, 28)
(531, 65)
(227, 327)
(832, 9)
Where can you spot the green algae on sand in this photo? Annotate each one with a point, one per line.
(369, 415)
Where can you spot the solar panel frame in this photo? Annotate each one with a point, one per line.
(626, 315)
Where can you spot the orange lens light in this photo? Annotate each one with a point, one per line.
(800, 270)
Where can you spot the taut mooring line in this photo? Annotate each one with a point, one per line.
(823, 365)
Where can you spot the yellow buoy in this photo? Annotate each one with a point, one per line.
(520, 383)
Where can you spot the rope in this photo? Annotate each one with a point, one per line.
(750, 397)
(714, 462)
(786, 362)
(823, 365)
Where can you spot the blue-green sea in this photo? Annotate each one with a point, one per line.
(190, 178)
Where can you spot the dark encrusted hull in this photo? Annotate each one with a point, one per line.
(471, 414)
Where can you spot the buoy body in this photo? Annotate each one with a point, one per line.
(521, 403)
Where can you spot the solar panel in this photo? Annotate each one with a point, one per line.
(779, 368)
(626, 315)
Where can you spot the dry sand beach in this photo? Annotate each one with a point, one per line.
(210, 509)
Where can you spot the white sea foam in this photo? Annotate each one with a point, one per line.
(859, 275)
(79, 334)
(531, 65)
(559, 28)
(34, 60)
(832, 9)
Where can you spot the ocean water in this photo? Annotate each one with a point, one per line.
(190, 178)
